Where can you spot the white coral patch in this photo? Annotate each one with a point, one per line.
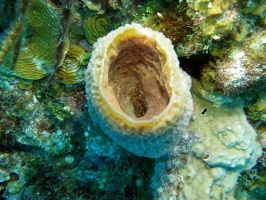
(227, 148)
(237, 71)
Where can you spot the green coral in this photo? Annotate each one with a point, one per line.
(96, 26)
(253, 181)
(36, 56)
(255, 7)
(72, 69)
(257, 110)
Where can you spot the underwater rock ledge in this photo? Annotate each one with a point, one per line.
(136, 91)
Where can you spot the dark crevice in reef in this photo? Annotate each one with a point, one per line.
(10, 145)
(194, 64)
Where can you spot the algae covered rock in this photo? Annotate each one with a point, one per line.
(242, 67)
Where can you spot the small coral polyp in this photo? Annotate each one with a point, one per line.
(136, 79)
(136, 91)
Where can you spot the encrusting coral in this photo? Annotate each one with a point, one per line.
(227, 146)
(137, 92)
(210, 8)
(93, 5)
(241, 68)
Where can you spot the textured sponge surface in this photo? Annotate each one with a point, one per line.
(137, 92)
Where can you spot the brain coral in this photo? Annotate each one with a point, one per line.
(137, 92)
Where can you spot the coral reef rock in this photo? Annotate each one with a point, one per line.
(227, 147)
(137, 92)
(241, 69)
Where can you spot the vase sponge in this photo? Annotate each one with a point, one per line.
(136, 91)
